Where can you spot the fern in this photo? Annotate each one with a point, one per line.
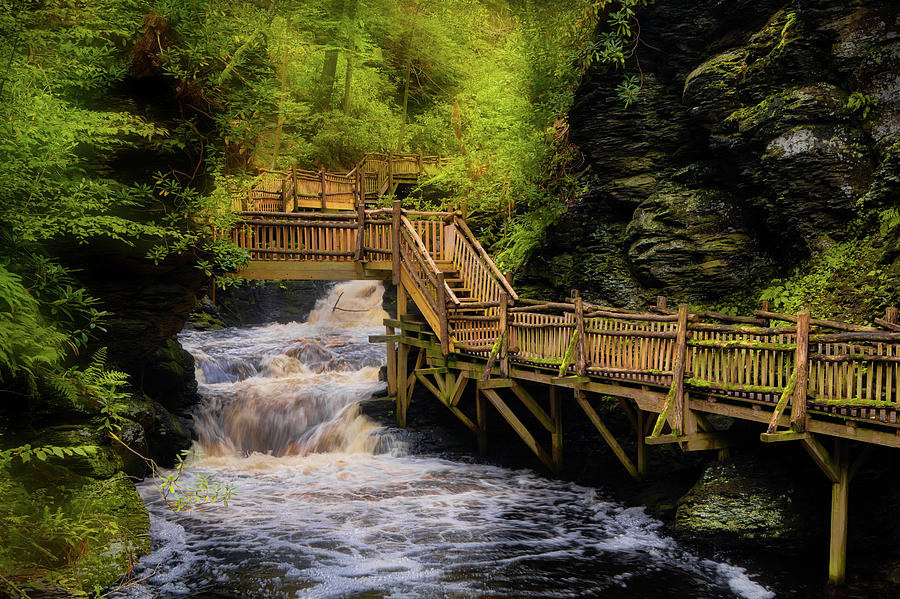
(890, 221)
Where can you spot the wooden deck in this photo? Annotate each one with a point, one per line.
(297, 189)
(476, 344)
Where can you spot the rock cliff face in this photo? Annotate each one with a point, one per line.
(763, 129)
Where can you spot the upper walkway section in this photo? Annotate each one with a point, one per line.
(372, 177)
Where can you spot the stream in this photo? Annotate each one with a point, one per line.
(329, 504)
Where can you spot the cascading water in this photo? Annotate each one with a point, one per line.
(327, 505)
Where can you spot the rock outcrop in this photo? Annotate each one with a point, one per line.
(763, 129)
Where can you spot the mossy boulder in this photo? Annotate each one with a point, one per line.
(62, 533)
(741, 504)
(169, 377)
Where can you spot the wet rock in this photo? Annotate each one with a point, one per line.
(741, 504)
(256, 302)
(169, 378)
(170, 435)
(785, 115)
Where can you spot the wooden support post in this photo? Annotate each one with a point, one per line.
(360, 230)
(661, 302)
(890, 315)
(391, 363)
(801, 363)
(395, 245)
(837, 550)
(580, 355)
(391, 172)
(324, 197)
(641, 444)
(481, 418)
(556, 435)
(284, 194)
(294, 189)
(402, 362)
(444, 332)
(606, 434)
(504, 335)
(419, 167)
(766, 306)
(678, 378)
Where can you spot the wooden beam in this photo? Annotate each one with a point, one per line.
(458, 388)
(606, 434)
(556, 434)
(821, 457)
(402, 359)
(799, 418)
(840, 489)
(782, 436)
(495, 383)
(518, 426)
(532, 405)
(678, 378)
(430, 386)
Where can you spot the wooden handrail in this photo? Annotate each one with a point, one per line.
(420, 245)
(461, 224)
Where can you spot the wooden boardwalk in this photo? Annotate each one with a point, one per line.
(829, 386)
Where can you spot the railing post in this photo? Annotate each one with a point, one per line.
(443, 321)
(801, 363)
(680, 361)
(504, 335)
(395, 244)
(293, 189)
(284, 194)
(661, 302)
(419, 167)
(324, 197)
(890, 315)
(580, 357)
(766, 306)
(390, 171)
(360, 230)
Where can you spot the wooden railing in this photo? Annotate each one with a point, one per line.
(807, 365)
(373, 176)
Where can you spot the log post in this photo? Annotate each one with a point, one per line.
(801, 364)
(284, 193)
(444, 332)
(890, 315)
(395, 243)
(556, 438)
(391, 172)
(419, 167)
(504, 335)
(402, 361)
(481, 418)
(580, 356)
(678, 373)
(391, 364)
(766, 307)
(661, 302)
(837, 547)
(640, 419)
(324, 197)
(293, 189)
(360, 230)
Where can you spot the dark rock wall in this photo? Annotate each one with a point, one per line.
(744, 154)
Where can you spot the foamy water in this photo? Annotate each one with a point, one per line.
(327, 504)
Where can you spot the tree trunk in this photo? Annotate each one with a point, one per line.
(329, 67)
(405, 103)
(351, 55)
(283, 77)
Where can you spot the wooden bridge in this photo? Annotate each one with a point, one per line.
(373, 176)
(829, 386)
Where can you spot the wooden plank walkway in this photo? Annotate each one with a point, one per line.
(804, 380)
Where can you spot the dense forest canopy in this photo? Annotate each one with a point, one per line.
(126, 127)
